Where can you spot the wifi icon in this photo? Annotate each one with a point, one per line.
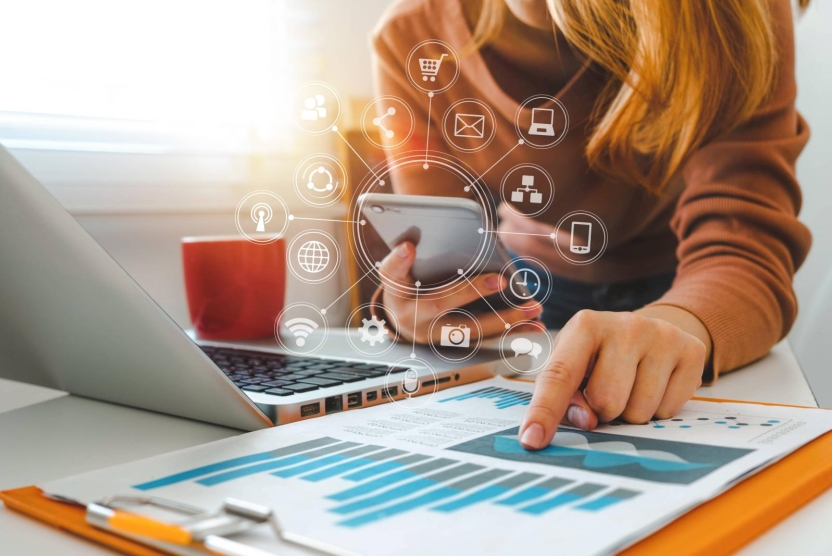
(301, 328)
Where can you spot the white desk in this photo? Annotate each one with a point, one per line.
(46, 435)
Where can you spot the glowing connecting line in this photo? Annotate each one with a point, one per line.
(379, 122)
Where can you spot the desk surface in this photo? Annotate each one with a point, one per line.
(52, 435)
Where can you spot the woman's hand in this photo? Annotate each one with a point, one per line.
(413, 323)
(638, 367)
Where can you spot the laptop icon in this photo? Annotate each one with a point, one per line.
(543, 120)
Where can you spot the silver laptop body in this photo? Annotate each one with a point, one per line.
(72, 319)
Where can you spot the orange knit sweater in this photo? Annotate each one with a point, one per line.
(727, 223)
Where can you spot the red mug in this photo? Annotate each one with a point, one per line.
(235, 288)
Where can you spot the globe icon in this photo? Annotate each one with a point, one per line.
(313, 256)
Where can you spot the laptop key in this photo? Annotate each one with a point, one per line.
(320, 381)
(289, 377)
(308, 373)
(278, 392)
(255, 388)
(342, 377)
(301, 387)
(276, 383)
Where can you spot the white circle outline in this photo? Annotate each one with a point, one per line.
(545, 174)
(335, 94)
(391, 332)
(364, 122)
(451, 164)
(539, 266)
(290, 258)
(272, 237)
(580, 213)
(490, 114)
(557, 140)
(317, 312)
(451, 54)
(428, 398)
(300, 170)
(506, 359)
(478, 339)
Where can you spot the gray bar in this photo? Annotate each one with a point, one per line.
(429, 466)
(519, 480)
(622, 493)
(412, 458)
(359, 451)
(295, 448)
(554, 483)
(330, 449)
(477, 480)
(455, 472)
(386, 454)
(586, 489)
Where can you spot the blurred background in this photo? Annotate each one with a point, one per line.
(150, 119)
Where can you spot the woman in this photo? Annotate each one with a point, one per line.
(683, 139)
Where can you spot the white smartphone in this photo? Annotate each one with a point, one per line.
(445, 231)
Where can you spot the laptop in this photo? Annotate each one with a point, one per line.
(543, 120)
(72, 319)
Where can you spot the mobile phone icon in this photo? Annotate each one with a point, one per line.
(581, 247)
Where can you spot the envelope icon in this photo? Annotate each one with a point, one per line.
(469, 125)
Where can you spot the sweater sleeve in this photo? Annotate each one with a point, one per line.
(740, 242)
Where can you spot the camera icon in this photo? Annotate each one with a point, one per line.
(455, 336)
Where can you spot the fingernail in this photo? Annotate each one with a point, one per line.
(578, 416)
(532, 436)
(401, 250)
(494, 283)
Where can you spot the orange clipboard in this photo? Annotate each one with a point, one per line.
(720, 526)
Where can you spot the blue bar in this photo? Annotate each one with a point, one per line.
(367, 488)
(205, 470)
(545, 505)
(407, 505)
(388, 496)
(471, 499)
(599, 503)
(524, 496)
(337, 469)
(374, 470)
(311, 466)
(251, 470)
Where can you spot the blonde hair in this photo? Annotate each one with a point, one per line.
(682, 73)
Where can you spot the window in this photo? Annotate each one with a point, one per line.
(139, 103)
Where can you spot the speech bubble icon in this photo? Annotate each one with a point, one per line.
(522, 346)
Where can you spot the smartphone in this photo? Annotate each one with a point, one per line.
(446, 233)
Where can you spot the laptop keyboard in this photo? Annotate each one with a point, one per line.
(286, 375)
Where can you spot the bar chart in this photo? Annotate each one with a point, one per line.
(503, 397)
(385, 482)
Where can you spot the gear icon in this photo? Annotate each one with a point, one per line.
(373, 330)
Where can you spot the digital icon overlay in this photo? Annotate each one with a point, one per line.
(371, 334)
(261, 217)
(387, 122)
(320, 180)
(526, 352)
(527, 190)
(316, 108)
(469, 125)
(459, 335)
(301, 328)
(432, 66)
(528, 280)
(313, 256)
(580, 237)
(411, 376)
(542, 121)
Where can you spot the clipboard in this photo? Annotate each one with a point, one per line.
(722, 525)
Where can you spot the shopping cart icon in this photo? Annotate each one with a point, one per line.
(430, 67)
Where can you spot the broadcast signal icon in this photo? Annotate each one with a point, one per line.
(301, 328)
(262, 214)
